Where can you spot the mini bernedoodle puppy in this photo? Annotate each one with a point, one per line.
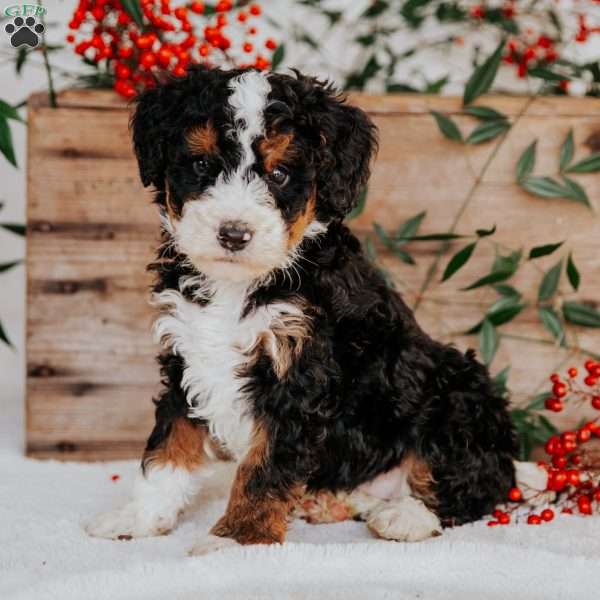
(284, 349)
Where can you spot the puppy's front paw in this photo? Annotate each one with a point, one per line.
(210, 544)
(248, 532)
(404, 520)
(129, 522)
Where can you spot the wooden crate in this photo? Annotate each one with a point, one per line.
(92, 230)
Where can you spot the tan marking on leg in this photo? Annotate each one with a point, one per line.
(420, 479)
(303, 220)
(202, 139)
(250, 518)
(274, 149)
(184, 446)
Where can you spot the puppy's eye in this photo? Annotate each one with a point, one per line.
(279, 176)
(200, 167)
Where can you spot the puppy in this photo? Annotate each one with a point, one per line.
(284, 349)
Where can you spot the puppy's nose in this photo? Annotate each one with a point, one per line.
(234, 235)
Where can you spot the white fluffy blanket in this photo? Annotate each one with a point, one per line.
(44, 553)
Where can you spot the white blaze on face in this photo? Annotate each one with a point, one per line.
(237, 196)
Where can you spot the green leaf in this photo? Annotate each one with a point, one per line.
(458, 260)
(546, 74)
(370, 250)
(573, 191)
(507, 291)
(393, 247)
(14, 228)
(484, 113)
(500, 316)
(376, 8)
(566, 151)
(134, 10)
(545, 187)
(435, 87)
(9, 112)
(526, 161)
(278, 57)
(360, 206)
(409, 228)
(488, 131)
(550, 281)
(4, 337)
(488, 341)
(581, 314)
(483, 77)
(447, 126)
(9, 265)
(434, 237)
(590, 164)
(481, 233)
(551, 321)
(500, 381)
(489, 279)
(573, 273)
(540, 251)
(537, 403)
(6, 144)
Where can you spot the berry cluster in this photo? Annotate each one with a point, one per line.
(575, 485)
(168, 40)
(529, 51)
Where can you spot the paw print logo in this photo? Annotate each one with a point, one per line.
(24, 32)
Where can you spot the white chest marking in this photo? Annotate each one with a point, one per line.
(215, 343)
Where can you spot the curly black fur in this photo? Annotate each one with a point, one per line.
(369, 385)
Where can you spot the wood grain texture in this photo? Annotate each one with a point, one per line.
(92, 230)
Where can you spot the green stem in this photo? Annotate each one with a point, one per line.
(51, 91)
(463, 207)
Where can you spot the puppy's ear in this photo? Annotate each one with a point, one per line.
(149, 124)
(348, 142)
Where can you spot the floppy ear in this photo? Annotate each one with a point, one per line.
(348, 143)
(148, 124)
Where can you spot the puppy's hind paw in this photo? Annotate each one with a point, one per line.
(404, 520)
(210, 544)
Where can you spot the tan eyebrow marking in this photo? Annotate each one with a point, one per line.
(202, 139)
(274, 149)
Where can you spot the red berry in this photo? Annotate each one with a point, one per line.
(204, 50)
(242, 17)
(589, 365)
(147, 59)
(179, 71)
(197, 7)
(573, 477)
(504, 519)
(181, 13)
(560, 462)
(515, 495)
(115, 477)
(533, 520)
(567, 511)
(271, 44)
(557, 481)
(559, 389)
(590, 381)
(583, 435)
(597, 495)
(70, 38)
(251, 30)
(98, 13)
(492, 523)
(255, 10)
(573, 372)
(547, 514)
(596, 402)
(553, 404)
(248, 47)
(552, 444)
(222, 21)
(584, 505)
(125, 52)
(122, 71)
(555, 377)
(164, 56)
